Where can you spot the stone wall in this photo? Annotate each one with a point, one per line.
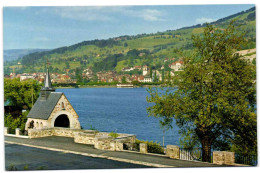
(173, 151)
(223, 158)
(39, 133)
(108, 143)
(100, 140)
(66, 132)
(119, 146)
(86, 137)
(104, 143)
(126, 138)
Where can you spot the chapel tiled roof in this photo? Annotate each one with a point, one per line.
(42, 109)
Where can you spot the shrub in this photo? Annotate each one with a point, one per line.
(13, 123)
(41, 168)
(12, 168)
(152, 147)
(26, 167)
(113, 134)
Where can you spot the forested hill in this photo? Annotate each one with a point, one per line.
(128, 51)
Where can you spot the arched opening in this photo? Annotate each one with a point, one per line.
(41, 125)
(62, 121)
(31, 125)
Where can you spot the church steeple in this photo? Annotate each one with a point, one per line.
(47, 87)
(47, 81)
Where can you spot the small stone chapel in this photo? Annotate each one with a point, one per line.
(52, 109)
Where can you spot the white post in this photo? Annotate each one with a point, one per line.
(17, 131)
(163, 139)
(6, 130)
(143, 148)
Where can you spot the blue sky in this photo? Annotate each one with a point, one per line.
(52, 27)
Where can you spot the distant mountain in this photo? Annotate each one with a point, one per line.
(129, 50)
(14, 54)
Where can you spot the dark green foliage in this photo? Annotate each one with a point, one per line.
(254, 61)
(108, 63)
(31, 58)
(13, 123)
(151, 72)
(251, 16)
(152, 147)
(163, 77)
(67, 65)
(21, 93)
(124, 80)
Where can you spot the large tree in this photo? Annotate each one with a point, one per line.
(21, 93)
(213, 99)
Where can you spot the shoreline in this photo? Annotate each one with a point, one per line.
(106, 86)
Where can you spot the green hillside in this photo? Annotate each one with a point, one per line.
(127, 51)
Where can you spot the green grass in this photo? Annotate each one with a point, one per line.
(120, 65)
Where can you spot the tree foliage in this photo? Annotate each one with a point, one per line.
(21, 93)
(214, 98)
(18, 122)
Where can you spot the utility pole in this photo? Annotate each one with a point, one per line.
(163, 136)
(32, 97)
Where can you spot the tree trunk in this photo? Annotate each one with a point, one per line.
(206, 149)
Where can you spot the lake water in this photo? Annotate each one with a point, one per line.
(122, 110)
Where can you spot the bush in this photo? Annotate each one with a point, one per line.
(12, 168)
(152, 147)
(113, 134)
(13, 123)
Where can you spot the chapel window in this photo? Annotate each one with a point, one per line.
(62, 106)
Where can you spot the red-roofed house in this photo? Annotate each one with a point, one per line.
(176, 66)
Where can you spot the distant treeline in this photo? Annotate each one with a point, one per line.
(31, 58)
(251, 16)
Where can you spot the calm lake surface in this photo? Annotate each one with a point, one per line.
(122, 110)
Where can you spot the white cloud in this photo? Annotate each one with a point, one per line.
(204, 20)
(81, 13)
(104, 13)
(146, 14)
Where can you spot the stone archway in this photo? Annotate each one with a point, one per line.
(62, 121)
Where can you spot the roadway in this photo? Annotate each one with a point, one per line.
(54, 153)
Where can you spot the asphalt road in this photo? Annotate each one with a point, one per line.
(20, 157)
(42, 157)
